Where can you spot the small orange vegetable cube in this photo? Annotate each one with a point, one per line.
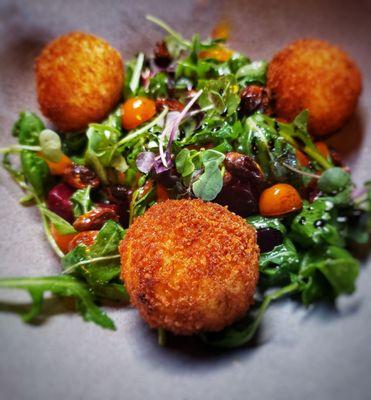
(59, 167)
(62, 241)
(219, 53)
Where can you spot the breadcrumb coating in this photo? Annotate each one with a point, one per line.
(315, 75)
(190, 266)
(79, 79)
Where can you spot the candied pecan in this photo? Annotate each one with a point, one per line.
(80, 176)
(243, 166)
(171, 104)
(254, 98)
(162, 55)
(95, 219)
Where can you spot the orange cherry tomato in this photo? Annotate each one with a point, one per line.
(59, 167)
(279, 199)
(63, 241)
(323, 149)
(137, 110)
(302, 158)
(161, 193)
(219, 53)
(86, 238)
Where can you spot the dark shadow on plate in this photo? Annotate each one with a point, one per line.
(51, 307)
(349, 139)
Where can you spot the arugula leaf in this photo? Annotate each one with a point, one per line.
(101, 262)
(284, 255)
(277, 265)
(36, 172)
(158, 85)
(221, 94)
(107, 240)
(252, 73)
(210, 183)
(260, 222)
(261, 140)
(296, 133)
(61, 286)
(27, 128)
(337, 266)
(315, 225)
(61, 225)
(81, 201)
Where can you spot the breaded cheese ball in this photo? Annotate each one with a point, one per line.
(315, 75)
(79, 80)
(190, 266)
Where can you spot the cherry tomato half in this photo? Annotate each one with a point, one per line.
(137, 110)
(279, 199)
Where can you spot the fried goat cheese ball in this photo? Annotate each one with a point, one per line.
(79, 79)
(190, 266)
(315, 75)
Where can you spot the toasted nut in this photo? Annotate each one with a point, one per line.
(162, 55)
(171, 104)
(86, 238)
(243, 166)
(79, 177)
(254, 98)
(95, 219)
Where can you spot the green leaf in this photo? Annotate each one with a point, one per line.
(277, 265)
(108, 239)
(27, 128)
(183, 162)
(337, 266)
(61, 286)
(260, 222)
(81, 201)
(210, 183)
(101, 262)
(254, 72)
(158, 85)
(36, 172)
(51, 146)
(284, 254)
(333, 180)
(222, 94)
(61, 225)
(314, 225)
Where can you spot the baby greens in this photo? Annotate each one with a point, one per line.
(198, 94)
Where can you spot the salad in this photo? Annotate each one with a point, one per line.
(194, 120)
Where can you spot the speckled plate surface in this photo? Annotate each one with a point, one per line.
(320, 353)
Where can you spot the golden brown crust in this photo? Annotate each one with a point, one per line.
(190, 266)
(79, 79)
(315, 75)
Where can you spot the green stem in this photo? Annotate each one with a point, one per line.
(16, 148)
(142, 130)
(315, 155)
(93, 260)
(49, 236)
(134, 82)
(169, 30)
(161, 336)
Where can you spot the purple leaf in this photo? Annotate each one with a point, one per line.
(145, 161)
